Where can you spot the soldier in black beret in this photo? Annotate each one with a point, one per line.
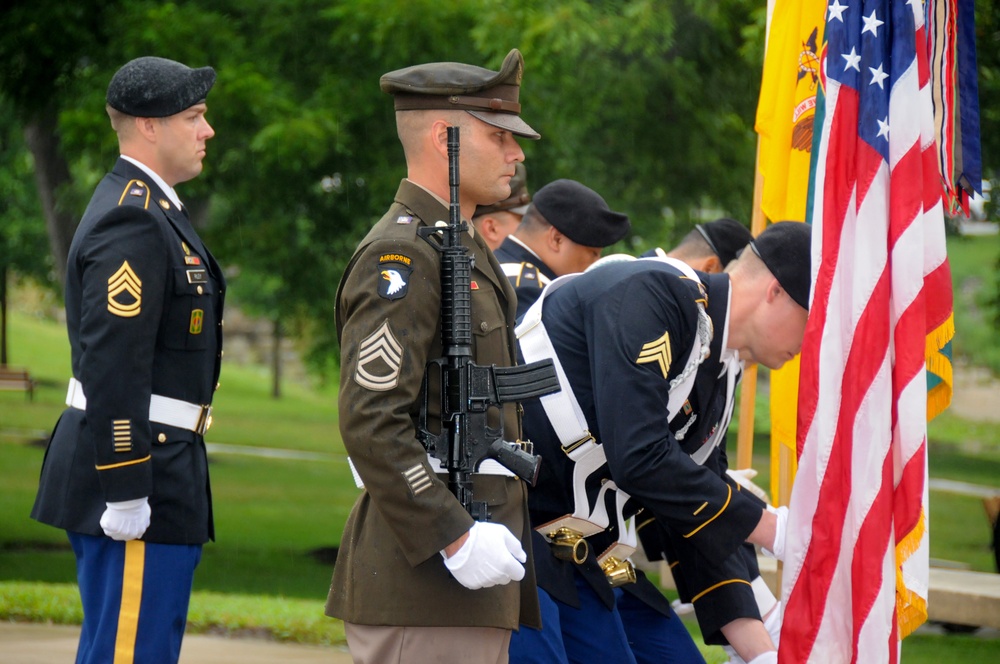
(500, 219)
(126, 472)
(651, 353)
(564, 230)
(417, 579)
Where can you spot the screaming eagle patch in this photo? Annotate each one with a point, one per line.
(394, 275)
(657, 351)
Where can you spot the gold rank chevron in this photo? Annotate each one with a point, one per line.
(657, 351)
(124, 281)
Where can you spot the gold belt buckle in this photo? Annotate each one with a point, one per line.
(569, 544)
(569, 449)
(204, 420)
(619, 572)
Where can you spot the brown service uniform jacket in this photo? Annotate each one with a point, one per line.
(389, 570)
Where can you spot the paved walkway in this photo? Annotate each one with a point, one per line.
(35, 643)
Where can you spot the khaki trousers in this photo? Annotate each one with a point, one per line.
(378, 644)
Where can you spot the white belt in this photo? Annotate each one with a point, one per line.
(162, 410)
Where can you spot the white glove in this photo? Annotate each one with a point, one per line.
(772, 623)
(778, 548)
(126, 520)
(491, 556)
(743, 477)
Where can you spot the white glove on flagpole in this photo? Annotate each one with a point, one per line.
(491, 556)
(126, 520)
(778, 548)
(765, 658)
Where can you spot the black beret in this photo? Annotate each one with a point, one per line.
(152, 87)
(488, 95)
(727, 237)
(786, 248)
(519, 197)
(580, 213)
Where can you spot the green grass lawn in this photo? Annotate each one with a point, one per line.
(273, 514)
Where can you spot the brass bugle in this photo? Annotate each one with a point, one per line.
(619, 572)
(568, 544)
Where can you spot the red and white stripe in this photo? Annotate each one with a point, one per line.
(858, 513)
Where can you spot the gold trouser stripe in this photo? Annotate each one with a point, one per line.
(728, 498)
(128, 615)
(708, 590)
(125, 463)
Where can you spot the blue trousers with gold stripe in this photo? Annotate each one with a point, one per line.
(135, 599)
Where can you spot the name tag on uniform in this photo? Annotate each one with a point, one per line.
(197, 276)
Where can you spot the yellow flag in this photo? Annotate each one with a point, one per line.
(787, 106)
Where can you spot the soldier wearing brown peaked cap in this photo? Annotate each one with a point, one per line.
(126, 471)
(417, 579)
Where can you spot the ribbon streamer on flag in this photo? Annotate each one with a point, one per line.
(856, 561)
(951, 44)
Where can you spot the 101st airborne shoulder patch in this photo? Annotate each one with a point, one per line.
(657, 351)
(394, 275)
(124, 292)
(380, 357)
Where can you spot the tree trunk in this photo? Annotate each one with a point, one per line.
(51, 176)
(276, 360)
(3, 316)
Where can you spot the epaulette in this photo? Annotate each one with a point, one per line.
(528, 275)
(136, 192)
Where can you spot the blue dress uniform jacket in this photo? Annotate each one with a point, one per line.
(144, 302)
(389, 571)
(526, 272)
(622, 332)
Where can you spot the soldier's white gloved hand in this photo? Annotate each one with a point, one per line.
(778, 548)
(491, 556)
(772, 623)
(744, 477)
(126, 520)
(765, 658)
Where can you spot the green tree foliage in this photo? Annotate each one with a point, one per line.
(650, 102)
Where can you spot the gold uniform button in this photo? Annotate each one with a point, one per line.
(483, 326)
(162, 438)
(200, 290)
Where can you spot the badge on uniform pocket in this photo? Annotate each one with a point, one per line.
(197, 319)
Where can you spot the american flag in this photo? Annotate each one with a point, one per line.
(856, 564)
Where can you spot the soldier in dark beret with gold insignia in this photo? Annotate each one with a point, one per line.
(125, 472)
(564, 231)
(417, 579)
(499, 220)
(650, 354)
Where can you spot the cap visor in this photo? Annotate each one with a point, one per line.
(512, 123)
(521, 210)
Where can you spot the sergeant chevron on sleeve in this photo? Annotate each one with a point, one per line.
(126, 472)
(650, 353)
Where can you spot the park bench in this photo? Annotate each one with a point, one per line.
(17, 379)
